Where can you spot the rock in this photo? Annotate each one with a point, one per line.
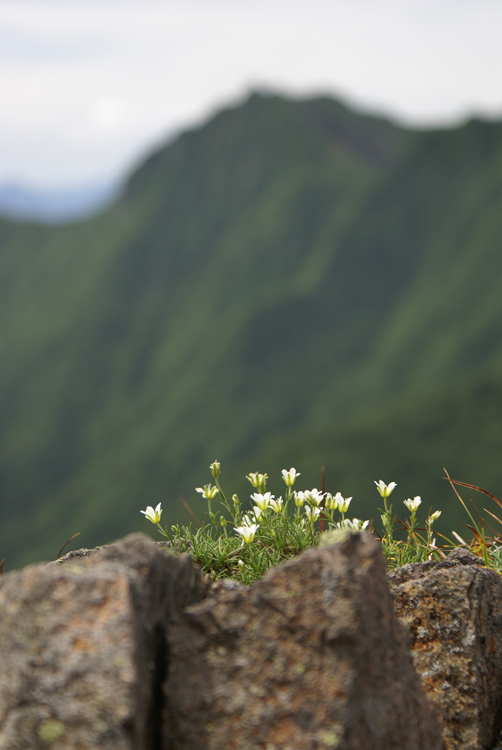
(128, 646)
(311, 656)
(83, 649)
(453, 611)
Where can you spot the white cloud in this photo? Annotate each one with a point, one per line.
(107, 78)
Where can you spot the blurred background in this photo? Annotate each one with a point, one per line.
(266, 233)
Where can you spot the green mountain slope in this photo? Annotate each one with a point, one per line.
(289, 269)
(408, 442)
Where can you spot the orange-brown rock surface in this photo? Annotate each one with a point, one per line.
(453, 612)
(82, 648)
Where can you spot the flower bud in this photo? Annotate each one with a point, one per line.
(433, 517)
(215, 469)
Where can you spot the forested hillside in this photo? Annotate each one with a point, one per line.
(290, 283)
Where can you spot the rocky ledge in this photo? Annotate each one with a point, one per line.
(130, 647)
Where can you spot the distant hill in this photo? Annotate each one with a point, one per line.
(55, 206)
(289, 284)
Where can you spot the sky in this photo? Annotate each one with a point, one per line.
(89, 87)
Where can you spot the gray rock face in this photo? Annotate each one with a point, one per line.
(310, 657)
(453, 611)
(128, 646)
(83, 649)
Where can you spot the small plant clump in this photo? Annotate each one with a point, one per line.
(243, 544)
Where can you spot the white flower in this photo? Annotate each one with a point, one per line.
(207, 491)
(312, 513)
(256, 479)
(262, 500)
(355, 525)
(314, 498)
(247, 520)
(342, 524)
(385, 489)
(290, 476)
(299, 498)
(276, 504)
(247, 532)
(412, 505)
(257, 512)
(342, 502)
(337, 502)
(151, 514)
